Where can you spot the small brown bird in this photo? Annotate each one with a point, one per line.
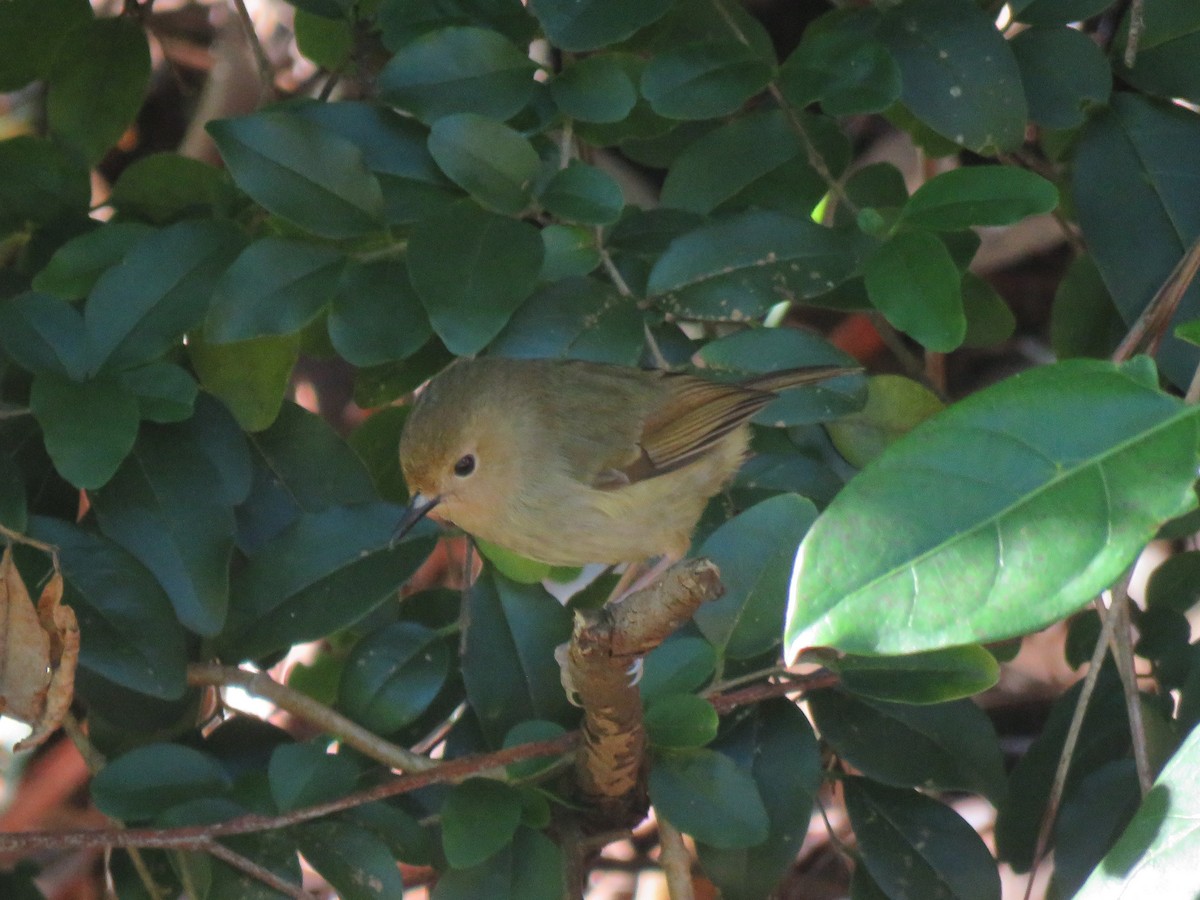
(570, 462)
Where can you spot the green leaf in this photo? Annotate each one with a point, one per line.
(165, 187)
(913, 281)
(934, 676)
(303, 775)
(285, 593)
(575, 318)
(595, 89)
(1090, 822)
(591, 24)
(30, 32)
(142, 783)
(96, 83)
(14, 511)
(895, 405)
(957, 72)
(990, 320)
(679, 665)
(776, 743)
(130, 634)
(460, 257)
(1064, 73)
(509, 668)
(1170, 37)
(275, 287)
(77, 264)
(1128, 170)
(479, 818)
(356, 862)
(569, 252)
(392, 676)
(250, 377)
(757, 350)
(976, 488)
(530, 868)
(1176, 583)
(681, 720)
(42, 183)
(705, 794)
(327, 42)
(165, 392)
(302, 173)
(754, 552)
(1056, 12)
(490, 161)
(512, 565)
(847, 69)
(44, 333)
(978, 195)
(704, 80)
(583, 193)
(376, 316)
(375, 442)
(140, 309)
(741, 267)
(88, 426)
(458, 70)
(914, 846)
(160, 507)
(947, 746)
(1084, 321)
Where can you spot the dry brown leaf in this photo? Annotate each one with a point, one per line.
(63, 630)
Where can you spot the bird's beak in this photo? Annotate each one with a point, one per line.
(418, 507)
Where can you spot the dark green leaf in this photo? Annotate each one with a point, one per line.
(130, 634)
(77, 264)
(569, 252)
(275, 287)
(957, 72)
(947, 746)
(88, 426)
(301, 173)
(576, 318)
(1077, 435)
(681, 720)
(931, 677)
(1090, 822)
(705, 794)
(457, 70)
(583, 193)
(530, 868)
(1176, 583)
(375, 442)
(677, 666)
(392, 676)
(165, 392)
(1056, 12)
(376, 315)
(509, 667)
(1169, 39)
(844, 67)
(913, 281)
(140, 309)
(44, 333)
(96, 83)
(895, 405)
(354, 860)
(490, 161)
(327, 42)
(978, 195)
(478, 819)
(740, 268)
(591, 24)
(165, 187)
(526, 733)
(14, 513)
(30, 32)
(914, 846)
(990, 321)
(1084, 320)
(149, 780)
(703, 81)
(303, 775)
(251, 377)
(594, 89)
(1128, 170)
(472, 269)
(1064, 73)
(42, 183)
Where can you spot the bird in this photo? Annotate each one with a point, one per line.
(572, 462)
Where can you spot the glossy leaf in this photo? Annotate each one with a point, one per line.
(77, 264)
(914, 846)
(913, 281)
(931, 677)
(376, 316)
(490, 161)
(574, 26)
(705, 794)
(895, 405)
(144, 782)
(978, 195)
(457, 258)
(161, 508)
(957, 73)
(479, 817)
(703, 81)
(275, 287)
(530, 868)
(741, 267)
(594, 89)
(88, 426)
(354, 860)
(250, 377)
(947, 746)
(302, 173)
(392, 676)
(972, 492)
(1064, 74)
(458, 70)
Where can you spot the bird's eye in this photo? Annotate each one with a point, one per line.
(465, 466)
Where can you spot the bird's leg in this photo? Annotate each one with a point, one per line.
(641, 575)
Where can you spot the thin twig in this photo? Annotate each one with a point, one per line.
(1147, 332)
(305, 707)
(676, 861)
(1119, 641)
(255, 871)
(266, 74)
(1137, 22)
(92, 758)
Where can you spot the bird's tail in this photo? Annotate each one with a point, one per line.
(773, 382)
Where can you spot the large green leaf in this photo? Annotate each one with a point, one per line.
(1063, 72)
(44, 333)
(88, 426)
(302, 775)
(978, 195)
(705, 793)
(144, 782)
(301, 172)
(160, 506)
(393, 675)
(957, 72)
(30, 32)
(1166, 50)
(166, 187)
(43, 182)
(998, 516)
(77, 264)
(1137, 191)
(376, 316)
(596, 88)
(250, 377)
(479, 817)
(354, 860)
(490, 161)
